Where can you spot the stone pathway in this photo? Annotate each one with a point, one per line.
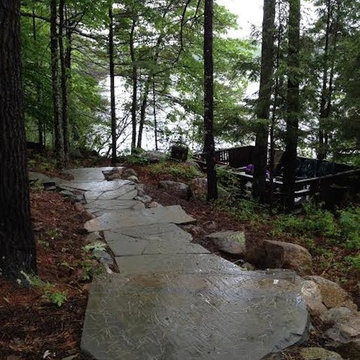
(172, 299)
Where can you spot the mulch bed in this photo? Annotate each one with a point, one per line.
(31, 325)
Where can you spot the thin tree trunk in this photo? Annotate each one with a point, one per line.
(143, 110)
(38, 88)
(63, 82)
(209, 144)
(324, 90)
(155, 118)
(274, 112)
(264, 101)
(293, 105)
(59, 136)
(112, 88)
(17, 245)
(134, 84)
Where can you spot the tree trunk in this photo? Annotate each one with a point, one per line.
(264, 101)
(17, 246)
(112, 88)
(143, 110)
(155, 117)
(293, 104)
(209, 144)
(321, 155)
(59, 136)
(64, 91)
(38, 88)
(134, 84)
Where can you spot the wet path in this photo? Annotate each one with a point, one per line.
(172, 300)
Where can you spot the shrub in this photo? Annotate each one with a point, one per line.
(350, 227)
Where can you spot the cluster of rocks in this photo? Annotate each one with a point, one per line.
(121, 173)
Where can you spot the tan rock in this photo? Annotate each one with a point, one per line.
(333, 295)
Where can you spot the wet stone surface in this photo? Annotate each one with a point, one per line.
(172, 299)
(130, 218)
(190, 316)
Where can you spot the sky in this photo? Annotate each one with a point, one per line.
(249, 12)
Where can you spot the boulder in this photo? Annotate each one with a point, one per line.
(198, 189)
(344, 335)
(178, 189)
(153, 157)
(113, 174)
(311, 294)
(316, 353)
(145, 199)
(194, 230)
(128, 173)
(133, 178)
(231, 242)
(179, 152)
(333, 295)
(277, 254)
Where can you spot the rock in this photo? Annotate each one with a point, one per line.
(198, 189)
(344, 336)
(316, 353)
(175, 188)
(103, 257)
(154, 156)
(333, 295)
(128, 173)
(134, 179)
(336, 315)
(231, 242)
(113, 174)
(211, 226)
(277, 254)
(312, 296)
(79, 207)
(144, 199)
(179, 152)
(93, 237)
(194, 230)
(153, 205)
(248, 266)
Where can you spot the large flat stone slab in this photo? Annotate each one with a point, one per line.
(88, 174)
(112, 205)
(126, 192)
(175, 263)
(165, 243)
(243, 316)
(99, 185)
(131, 218)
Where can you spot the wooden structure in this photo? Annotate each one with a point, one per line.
(322, 181)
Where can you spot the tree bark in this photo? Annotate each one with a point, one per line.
(293, 104)
(134, 85)
(209, 144)
(264, 101)
(155, 117)
(63, 82)
(112, 88)
(144, 103)
(59, 136)
(17, 245)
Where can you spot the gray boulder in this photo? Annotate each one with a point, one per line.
(126, 173)
(198, 189)
(178, 189)
(231, 242)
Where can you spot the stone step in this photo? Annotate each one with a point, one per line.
(177, 316)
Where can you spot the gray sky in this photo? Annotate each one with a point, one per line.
(249, 13)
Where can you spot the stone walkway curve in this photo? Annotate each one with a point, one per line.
(172, 299)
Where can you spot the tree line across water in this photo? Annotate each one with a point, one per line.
(183, 76)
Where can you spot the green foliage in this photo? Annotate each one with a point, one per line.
(314, 222)
(135, 159)
(175, 170)
(95, 246)
(48, 289)
(350, 227)
(90, 268)
(354, 261)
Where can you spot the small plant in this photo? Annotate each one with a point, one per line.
(175, 170)
(350, 227)
(95, 246)
(90, 268)
(56, 297)
(49, 290)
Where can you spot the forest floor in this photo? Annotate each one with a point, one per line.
(45, 320)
